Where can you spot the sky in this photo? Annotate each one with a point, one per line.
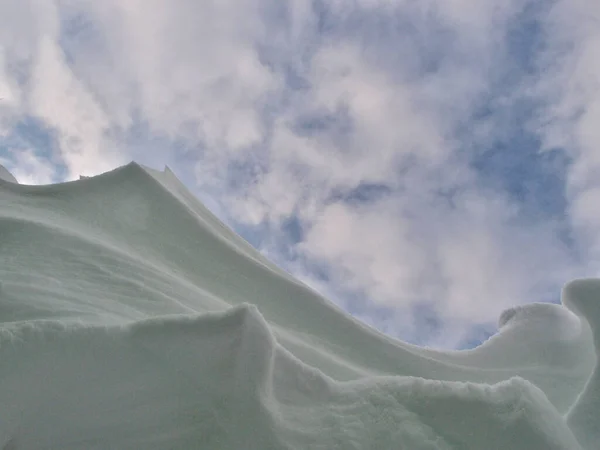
(424, 164)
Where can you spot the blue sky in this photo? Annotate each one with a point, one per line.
(426, 164)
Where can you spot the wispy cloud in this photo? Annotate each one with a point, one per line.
(426, 164)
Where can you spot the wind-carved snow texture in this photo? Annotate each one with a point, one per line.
(131, 318)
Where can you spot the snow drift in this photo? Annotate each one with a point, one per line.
(131, 318)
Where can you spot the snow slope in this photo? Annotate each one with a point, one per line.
(131, 318)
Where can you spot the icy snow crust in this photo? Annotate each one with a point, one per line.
(131, 318)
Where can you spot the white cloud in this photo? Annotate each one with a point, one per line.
(189, 70)
(9, 92)
(60, 100)
(29, 168)
(194, 67)
(571, 88)
(469, 261)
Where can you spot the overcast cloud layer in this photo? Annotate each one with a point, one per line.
(426, 164)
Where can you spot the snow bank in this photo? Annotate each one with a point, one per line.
(132, 318)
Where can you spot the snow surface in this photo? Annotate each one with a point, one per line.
(131, 318)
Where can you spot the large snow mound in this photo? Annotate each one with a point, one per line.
(131, 318)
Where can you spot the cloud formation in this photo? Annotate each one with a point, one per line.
(421, 163)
